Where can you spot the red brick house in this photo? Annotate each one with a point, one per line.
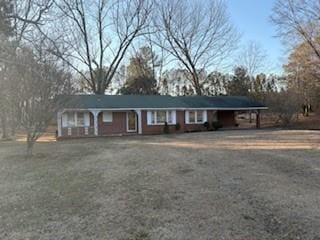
(106, 115)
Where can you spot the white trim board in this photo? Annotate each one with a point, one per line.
(146, 109)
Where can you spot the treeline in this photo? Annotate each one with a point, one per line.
(54, 47)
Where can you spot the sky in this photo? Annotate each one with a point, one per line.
(252, 18)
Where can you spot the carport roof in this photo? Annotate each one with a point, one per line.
(160, 102)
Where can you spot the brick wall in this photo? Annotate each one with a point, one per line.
(117, 126)
(153, 129)
(77, 132)
(227, 118)
(158, 129)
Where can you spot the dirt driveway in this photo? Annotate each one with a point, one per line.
(218, 185)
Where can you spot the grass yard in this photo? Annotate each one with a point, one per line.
(217, 185)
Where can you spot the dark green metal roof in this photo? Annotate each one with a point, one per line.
(157, 101)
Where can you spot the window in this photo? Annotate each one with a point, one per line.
(196, 117)
(75, 119)
(192, 117)
(71, 119)
(199, 116)
(153, 117)
(107, 117)
(80, 119)
(169, 119)
(160, 117)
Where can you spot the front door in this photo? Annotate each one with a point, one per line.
(131, 122)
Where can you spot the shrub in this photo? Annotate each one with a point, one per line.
(207, 126)
(285, 105)
(178, 127)
(166, 128)
(217, 125)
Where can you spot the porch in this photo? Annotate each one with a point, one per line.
(92, 122)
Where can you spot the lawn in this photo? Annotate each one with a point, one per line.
(217, 185)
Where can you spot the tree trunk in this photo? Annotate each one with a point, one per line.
(30, 144)
(13, 126)
(100, 90)
(4, 127)
(197, 85)
(13, 130)
(198, 91)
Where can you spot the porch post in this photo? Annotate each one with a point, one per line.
(139, 121)
(258, 120)
(59, 115)
(95, 121)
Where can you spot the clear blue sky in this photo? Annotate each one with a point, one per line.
(252, 18)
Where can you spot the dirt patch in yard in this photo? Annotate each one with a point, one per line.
(216, 185)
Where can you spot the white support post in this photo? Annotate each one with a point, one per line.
(95, 121)
(59, 119)
(139, 121)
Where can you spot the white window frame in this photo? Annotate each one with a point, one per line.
(201, 113)
(204, 116)
(74, 122)
(152, 117)
(157, 114)
(65, 121)
(84, 119)
(107, 116)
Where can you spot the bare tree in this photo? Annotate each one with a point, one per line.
(289, 107)
(19, 19)
(197, 33)
(26, 16)
(303, 75)
(92, 37)
(252, 58)
(298, 21)
(42, 85)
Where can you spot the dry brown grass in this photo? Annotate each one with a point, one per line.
(215, 185)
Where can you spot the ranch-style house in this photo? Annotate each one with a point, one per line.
(109, 115)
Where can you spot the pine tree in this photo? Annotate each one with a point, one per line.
(240, 83)
(140, 74)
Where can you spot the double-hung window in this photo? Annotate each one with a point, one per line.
(192, 116)
(71, 119)
(80, 119)
(200, 116)
(161, 117)
(75, 119)
(196, 117)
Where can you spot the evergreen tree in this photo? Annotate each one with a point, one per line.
(140, 74)
(240, 83)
